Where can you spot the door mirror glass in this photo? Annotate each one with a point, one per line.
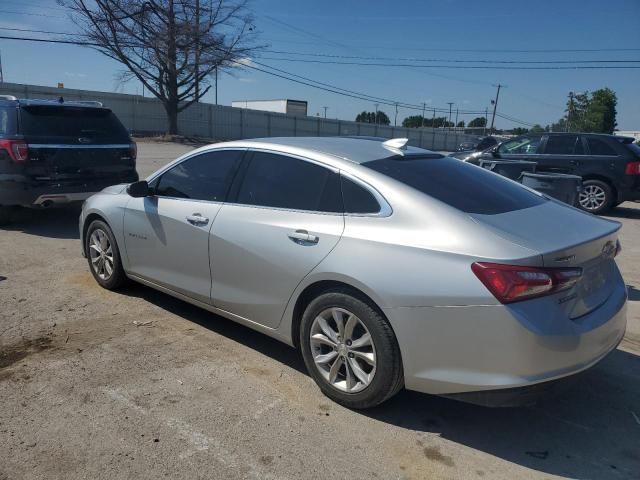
(139, 189)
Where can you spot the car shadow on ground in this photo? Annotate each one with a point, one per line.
(590, 429)
(59, 222)
(630, 211)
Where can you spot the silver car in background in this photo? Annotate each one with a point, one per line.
(386, 265)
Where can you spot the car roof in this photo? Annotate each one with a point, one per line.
(354, 149)
(51, 103)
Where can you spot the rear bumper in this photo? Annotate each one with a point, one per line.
(26, 193)
(453, 350)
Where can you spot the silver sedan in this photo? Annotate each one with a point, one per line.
(386, 265)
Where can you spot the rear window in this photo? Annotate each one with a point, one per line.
(635, 148)
(466, 187)
(98, 125)
(7, 120)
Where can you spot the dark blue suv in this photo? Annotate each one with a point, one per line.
(57, 152)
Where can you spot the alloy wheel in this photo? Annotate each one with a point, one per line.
(592, 197)
(343, 350)
(101, 253)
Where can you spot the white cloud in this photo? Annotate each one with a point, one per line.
(246, 80)
(245, 61)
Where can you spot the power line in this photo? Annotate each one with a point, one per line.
(10, 12)
(409, 59)
(458, 67)
(285, 75)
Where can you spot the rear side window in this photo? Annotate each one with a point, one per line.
(466, 187)
(598, 146)
(204, 177)
(7, 120)
(635, 148)
(97, 125)
(279, 181)
(357, 199)
(563, 145)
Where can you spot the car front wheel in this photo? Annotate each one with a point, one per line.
(350, 350)
(596, 196)
(103, 256)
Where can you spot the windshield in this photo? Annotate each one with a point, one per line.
(465, 187)
(91, 123)
(522, 145)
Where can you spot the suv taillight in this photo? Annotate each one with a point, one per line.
(632, 168)
(512, 283)
(134, 150)
(18, 150)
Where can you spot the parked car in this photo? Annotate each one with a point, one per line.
(609, 165)
(57, 152)
(482, 143)
(386, 265)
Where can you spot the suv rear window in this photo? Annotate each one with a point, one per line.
(7, 120)
(99, 125)
(466, 187)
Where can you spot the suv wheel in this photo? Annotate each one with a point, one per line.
(103, 256)
(596, 196)
(350, 350)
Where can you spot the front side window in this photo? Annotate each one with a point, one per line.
(279, 181)
(463, 186)
(204, 177)
(522, 145)
(563, 145)
(600, 147)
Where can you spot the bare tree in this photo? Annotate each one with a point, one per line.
(171, 46)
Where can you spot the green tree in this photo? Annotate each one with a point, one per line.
(417, 121)
(519, 131)
(600, 114)
(460, 124)
(370, 117)
(536, 129)
(477, 122)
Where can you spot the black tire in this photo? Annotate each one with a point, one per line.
(599, 186)
(5, 215)
(388, 377)
(117, 279)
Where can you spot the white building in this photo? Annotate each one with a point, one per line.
(289, 107)
(628, 133)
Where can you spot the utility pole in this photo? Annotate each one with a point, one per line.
(375, 119)
(216, 85)
(450, 103)
(395, 121)
(495, 105)
(433, 119)
(325, 112)
(456, 119)
(424, 107)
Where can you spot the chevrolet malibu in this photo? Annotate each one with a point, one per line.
(388, 266)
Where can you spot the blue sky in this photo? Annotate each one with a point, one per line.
(397, 30)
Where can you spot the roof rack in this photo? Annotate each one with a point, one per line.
(87, 102)
(8, 97)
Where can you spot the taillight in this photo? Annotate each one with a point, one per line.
(513, 283)
(133, 148)
(18, 150)
(632, 168)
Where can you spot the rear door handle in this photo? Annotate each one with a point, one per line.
(302, 237)
(197, 219)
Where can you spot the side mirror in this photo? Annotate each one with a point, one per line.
(494, 151)
(139, 189)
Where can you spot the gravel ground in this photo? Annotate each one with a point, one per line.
(102, 385)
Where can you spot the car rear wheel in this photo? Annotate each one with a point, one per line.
(350, 350)
(103, 256)
(596, 196)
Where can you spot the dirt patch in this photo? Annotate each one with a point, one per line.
(433, 453)
(14, 353)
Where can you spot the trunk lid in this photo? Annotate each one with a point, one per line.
(566, 237)
(75, 143)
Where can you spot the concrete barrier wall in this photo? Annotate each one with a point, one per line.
(220, 122)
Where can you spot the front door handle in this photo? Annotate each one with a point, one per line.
(197, 219)
(302, 237)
